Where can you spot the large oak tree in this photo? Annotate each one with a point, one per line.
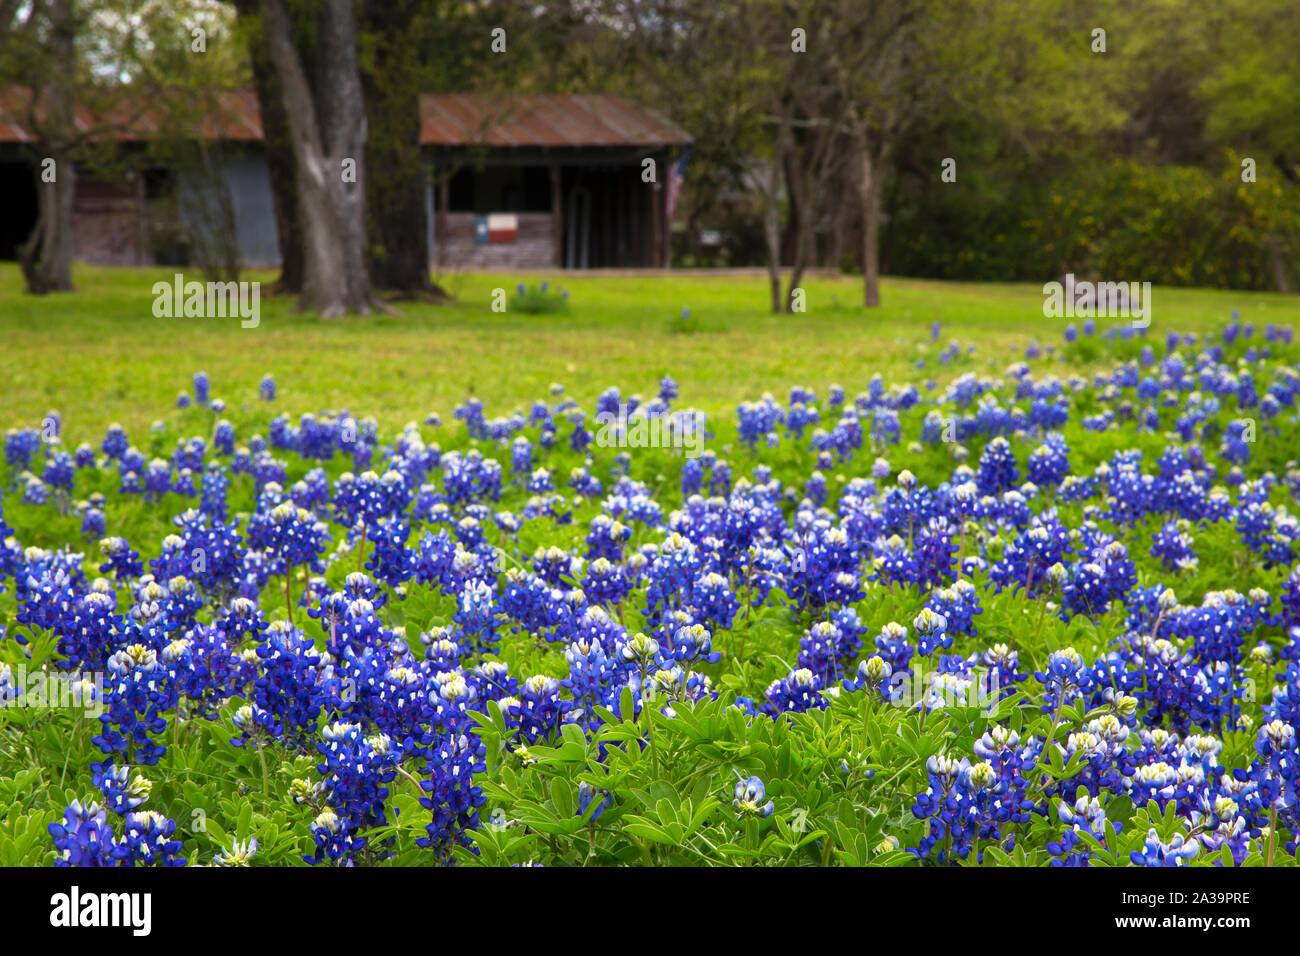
(326, 117)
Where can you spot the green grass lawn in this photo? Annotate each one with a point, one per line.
(100, 355)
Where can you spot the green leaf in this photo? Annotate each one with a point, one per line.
(648, 830)
(562, 796)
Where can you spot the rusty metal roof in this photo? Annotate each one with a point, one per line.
(543, 120)
(233, 116)
(548, 121)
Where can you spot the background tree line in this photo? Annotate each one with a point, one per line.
(971, 139)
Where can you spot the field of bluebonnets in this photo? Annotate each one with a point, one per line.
(1016, 615)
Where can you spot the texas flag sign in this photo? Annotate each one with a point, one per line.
(496, 227)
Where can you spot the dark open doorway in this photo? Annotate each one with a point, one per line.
(18, 186)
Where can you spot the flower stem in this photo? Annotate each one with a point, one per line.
(288, 597)
(266, 779)
(1272, 835)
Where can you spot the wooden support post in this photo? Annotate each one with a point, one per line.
(557, 218)
(621, 220)
(636, 201)
(142, 218)
(609, 223)
(666, 251)
(430, 240)
(656, 226)
(441, 237)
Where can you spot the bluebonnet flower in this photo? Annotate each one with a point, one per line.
(292, 537)
(588, 795)
(963, 804)
(931, 629)
(1049, 463)
(997, 470)
(356, 771)
(140, 695)
(799, 691)
(120, 559)
(713, 601)
(1156, 853)
(84, 838)
(892, 644)
(334, 840)
(148, 836)
(1066, 679)
(690, 645)
(1084, 816)
(287, 691)
(539, 709)
(115, 443)
(958, 605)
(592, 673)
(239, 853)
(20, 446)
(122, 792)
(749, 798)
(1173, 546)
(450, 793)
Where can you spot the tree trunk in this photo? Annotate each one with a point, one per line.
(277, 146)
(802, 222)
(1278, 261)
(342, 118)
(217, 238)
(46, 256)
(327, 130)
(839, 216)
(772, 232)
(398, 221)
(869, 199)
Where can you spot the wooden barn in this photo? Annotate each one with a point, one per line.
(514, 183)
(559, 176)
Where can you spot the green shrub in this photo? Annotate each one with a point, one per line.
(1170, 225)
(683, 323)
(540, 300)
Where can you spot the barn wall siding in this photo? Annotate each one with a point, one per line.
(250, 188)
(105, 225)
(617, 229)
(248, 182)
(534, 249)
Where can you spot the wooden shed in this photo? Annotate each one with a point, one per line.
(583, 180)
(514, 183)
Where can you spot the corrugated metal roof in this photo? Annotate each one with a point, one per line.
(550, 121)
(234, 116)
(543, 120)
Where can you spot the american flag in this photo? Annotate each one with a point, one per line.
(676, 175)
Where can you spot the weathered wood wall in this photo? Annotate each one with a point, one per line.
(533, 249)
(105, 225)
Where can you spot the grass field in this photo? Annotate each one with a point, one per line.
(100, 355)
